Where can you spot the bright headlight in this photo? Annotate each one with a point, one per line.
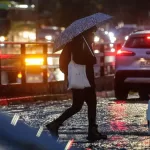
(96, 51)
(126, 37)
(111, 34)
(48, 37)
(2, 38)
(96, 39)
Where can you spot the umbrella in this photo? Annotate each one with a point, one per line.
(78, 27)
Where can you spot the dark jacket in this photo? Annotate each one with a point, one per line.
(81, 55)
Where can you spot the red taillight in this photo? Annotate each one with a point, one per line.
(148, 37)
(125, 53)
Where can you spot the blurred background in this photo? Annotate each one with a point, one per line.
(44, 20)
(30, 20)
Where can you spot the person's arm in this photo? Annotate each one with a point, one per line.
(82, 55)
(65, 58)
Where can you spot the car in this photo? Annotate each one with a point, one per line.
(132, 66)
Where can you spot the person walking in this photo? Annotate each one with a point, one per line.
(80, 53)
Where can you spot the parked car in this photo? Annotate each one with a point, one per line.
(132, 70)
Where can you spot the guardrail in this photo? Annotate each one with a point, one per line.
(9, 50)
(18, 51)
(105, 66)
(21, 57)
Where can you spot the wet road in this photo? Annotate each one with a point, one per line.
(123, 121)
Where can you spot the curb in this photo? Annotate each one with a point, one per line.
(26, 99)
(104, 88)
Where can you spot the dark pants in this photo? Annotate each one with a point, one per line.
(80, 96)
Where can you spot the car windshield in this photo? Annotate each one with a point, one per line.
(138, 42)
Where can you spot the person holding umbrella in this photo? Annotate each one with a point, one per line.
(78, 50)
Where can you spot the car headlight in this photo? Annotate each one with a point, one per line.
(2, 38)
(96, 51)
(48, 37)
(96, 39)
(126, 37)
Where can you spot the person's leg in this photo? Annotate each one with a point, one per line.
(90, 98)
(78, 100)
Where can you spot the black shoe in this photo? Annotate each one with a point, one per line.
(53, 129)
(94, 135)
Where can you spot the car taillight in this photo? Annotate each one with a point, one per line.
(124, 53)
(148, 37)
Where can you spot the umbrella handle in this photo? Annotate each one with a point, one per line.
(88, 45)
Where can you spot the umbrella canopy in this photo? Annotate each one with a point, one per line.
(78, 27)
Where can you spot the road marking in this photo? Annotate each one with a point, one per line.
(69, 144)
(39, 131)
(15, 119)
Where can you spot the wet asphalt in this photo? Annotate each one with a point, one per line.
(124, 121)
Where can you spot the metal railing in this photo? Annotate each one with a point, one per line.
(21, 58)
(105, 67)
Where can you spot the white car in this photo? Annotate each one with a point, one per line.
(132, 70)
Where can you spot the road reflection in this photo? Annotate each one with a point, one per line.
(118, 113)
(124, 121)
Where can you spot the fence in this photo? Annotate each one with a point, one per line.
(13, 63)
(21, 50)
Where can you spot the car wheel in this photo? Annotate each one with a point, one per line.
(121, 92)
(143, 95)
